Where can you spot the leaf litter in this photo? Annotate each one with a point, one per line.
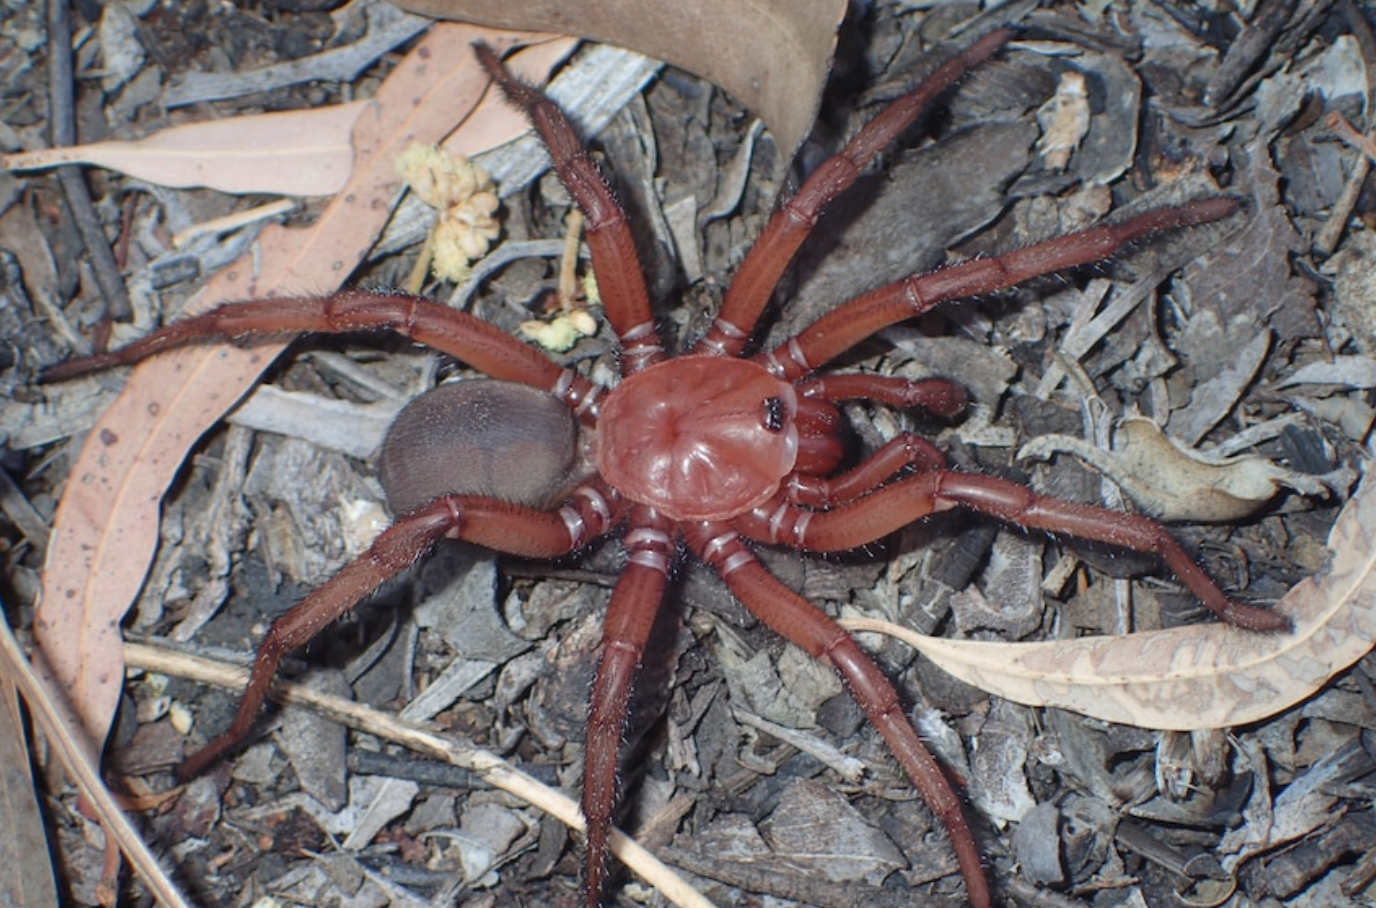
(1159, 353)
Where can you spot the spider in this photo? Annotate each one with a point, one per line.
(710, 452)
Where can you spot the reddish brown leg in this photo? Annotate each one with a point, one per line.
(794, 618)
(484, 521)
(619, 277)
(852, 322)
(812, 485)
(936, 396)
(779, 241)
(630, 618)
(903, 452)
(885, 510)
(482, 346)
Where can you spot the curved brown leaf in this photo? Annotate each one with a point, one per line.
(771, 55)
(106, 527)
(1203, 676)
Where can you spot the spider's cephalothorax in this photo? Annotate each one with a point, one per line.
(708, 451)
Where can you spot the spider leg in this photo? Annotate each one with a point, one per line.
(786, 230)
(812, 485)
(630, 618)
(851, 322)
(482, 346)
(798, 621)
(905, 451)
(890, 507)
(937, 396)
(484, 521)
(620, 280)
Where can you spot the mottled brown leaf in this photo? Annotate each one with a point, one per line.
(770, 55)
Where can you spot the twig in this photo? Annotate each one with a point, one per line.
(62, 116)
(45, 706)
(493, 770)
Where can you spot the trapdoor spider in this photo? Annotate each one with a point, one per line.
(713, 451)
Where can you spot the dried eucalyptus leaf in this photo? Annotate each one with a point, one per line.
(1171, 482)
(1199, 676)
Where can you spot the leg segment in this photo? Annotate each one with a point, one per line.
(798, 621)
(905, 451)
(495, 524)
(630, 618)
(852, 322)
(482, 346)
(789, 227)
(619, 276)
(811, 487)
(936, 396)
(885, 510)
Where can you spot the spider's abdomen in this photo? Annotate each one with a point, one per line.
(480, 437)
(699, 437)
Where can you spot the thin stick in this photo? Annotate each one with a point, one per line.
(494, 771)
(46, 708)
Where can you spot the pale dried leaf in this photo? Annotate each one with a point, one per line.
(487, 832)
(1186, 678)
(770, 55)
(496, 122)
(1353, 302)
(1171, 482)
(106, 527)
(732, 838)
(297, 152)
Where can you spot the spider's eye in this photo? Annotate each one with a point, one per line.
(773, 414)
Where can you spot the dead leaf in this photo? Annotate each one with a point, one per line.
(1171, 482)
(815, 829)
(297, 152)
(770, 55)
(106, 527)
(1187, 678)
